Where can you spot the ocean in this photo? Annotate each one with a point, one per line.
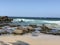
(34, 20)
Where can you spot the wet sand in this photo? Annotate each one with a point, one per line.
(42, 39)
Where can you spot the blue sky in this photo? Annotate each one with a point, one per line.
(30, 8)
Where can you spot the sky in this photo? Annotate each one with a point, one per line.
(30, 8)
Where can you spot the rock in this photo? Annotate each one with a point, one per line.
(34, 26)
(18, 31)
(30, 29)
(5, 19)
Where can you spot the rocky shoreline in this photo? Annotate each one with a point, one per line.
(28, 29)
(19, 29)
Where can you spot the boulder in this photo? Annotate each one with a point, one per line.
(34, 26)
(18, 31)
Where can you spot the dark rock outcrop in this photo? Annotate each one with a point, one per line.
(5, 19)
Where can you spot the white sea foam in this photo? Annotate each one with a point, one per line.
(35, 21)
(53, 22)
(15, 20)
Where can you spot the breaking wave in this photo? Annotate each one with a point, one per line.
(34, 21)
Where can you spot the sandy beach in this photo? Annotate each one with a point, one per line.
(42, 39)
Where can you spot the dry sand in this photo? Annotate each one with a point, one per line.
(42, 39)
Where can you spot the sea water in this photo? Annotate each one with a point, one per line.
(37, 21)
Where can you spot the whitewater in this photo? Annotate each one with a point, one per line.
(34, 21)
